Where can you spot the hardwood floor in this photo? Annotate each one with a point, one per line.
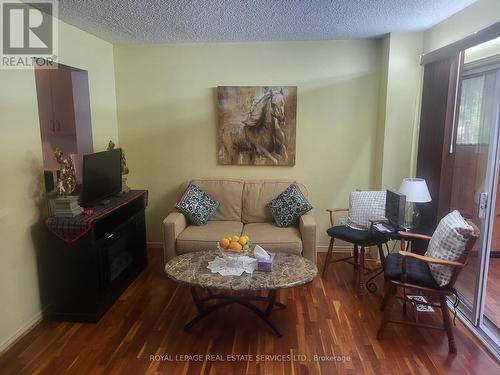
(467, 281)
(143, 333)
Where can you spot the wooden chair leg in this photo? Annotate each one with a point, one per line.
(381, 255)
(405, 310)
(447, 324)
(328, 256)
(388, 297)
(387, 292)
(361, 271)
(355, 256)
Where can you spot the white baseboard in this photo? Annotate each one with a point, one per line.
(338, 249)
(25, 328)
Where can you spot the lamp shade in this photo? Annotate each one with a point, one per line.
(415, 189)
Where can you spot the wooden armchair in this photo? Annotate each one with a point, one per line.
(410, 271)
(360, 240)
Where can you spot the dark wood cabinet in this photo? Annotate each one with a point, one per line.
(85, 277)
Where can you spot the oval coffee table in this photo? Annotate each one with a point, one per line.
(289, 270)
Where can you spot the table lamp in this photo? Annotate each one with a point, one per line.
(416, 191)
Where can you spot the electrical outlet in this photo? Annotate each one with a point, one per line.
(342, 220)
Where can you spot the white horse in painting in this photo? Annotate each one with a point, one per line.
(260, 133)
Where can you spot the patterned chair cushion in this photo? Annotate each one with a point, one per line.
(448, 243)
(197, 205)
(356, 236)
(289, 206)
(363, 206)
(417, 272)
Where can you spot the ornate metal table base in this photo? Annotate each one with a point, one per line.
(205, 308)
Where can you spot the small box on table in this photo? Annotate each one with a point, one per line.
(266, 265)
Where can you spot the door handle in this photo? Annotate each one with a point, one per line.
(483, 205)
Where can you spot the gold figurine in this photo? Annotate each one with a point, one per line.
(111, 146)
(66, 176)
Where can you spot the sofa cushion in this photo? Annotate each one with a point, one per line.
(288, 206)
(197, 205)
(195, 238)
(227, 192)
(256, 196)
(274, 238)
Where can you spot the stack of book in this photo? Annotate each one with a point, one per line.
(66, 206)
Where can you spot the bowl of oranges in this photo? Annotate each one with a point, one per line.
(234, 245)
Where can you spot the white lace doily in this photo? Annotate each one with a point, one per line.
(232, 266)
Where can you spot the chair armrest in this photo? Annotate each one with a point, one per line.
(307, 227)
(432, 260)
(172, 226)
(376, 220)
(414, 236)
(336, 209)
(332, 211)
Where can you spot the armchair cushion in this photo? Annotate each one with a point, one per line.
(417, 271)
(288, 206)
(356, 236)
(364, 205)
(197, 205)
(448, 243)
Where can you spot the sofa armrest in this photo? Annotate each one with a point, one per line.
(173, 225)
(307, 227)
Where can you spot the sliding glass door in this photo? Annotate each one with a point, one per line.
(474, 186)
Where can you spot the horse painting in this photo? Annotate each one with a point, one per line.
(257, 125)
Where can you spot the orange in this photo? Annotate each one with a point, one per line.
(224, 243)
(235, 246)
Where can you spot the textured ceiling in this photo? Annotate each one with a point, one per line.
(156, 21)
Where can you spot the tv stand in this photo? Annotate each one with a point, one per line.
(90, 266)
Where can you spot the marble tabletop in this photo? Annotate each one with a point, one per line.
(289, 270)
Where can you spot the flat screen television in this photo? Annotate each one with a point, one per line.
(102, 176)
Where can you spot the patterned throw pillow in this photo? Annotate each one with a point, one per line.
(197, 205)
(363, 206)
(289, 206)
(448, 242)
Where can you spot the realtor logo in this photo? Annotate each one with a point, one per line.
(29, 32)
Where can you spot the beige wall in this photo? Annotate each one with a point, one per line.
(475, 17)
(400, 107)
(167, 115)
(348, 95)
(21, 168)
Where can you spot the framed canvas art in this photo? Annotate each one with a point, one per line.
(257, 125)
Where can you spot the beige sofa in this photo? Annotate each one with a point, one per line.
(242, 211)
